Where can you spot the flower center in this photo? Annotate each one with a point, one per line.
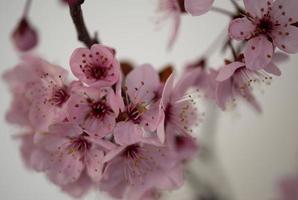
(96, 72)
(265, 25)
(131, 152)
(59, 97)
(79, 144)
(99, 109)
(134, 113)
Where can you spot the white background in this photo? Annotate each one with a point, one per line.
(256, 150)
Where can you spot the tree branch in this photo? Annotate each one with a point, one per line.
(78, 20)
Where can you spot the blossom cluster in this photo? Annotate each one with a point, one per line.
(128, 136)
(128, 132)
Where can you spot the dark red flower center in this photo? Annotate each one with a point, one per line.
(265, 25)
(100, 109)
(59, 97)
(80, 143)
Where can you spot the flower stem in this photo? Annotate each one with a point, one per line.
(78, 20)
(27, 8)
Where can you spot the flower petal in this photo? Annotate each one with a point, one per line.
(94, 164)
(227, 71)
(258, 53)
(142, 84)
(127, 133)
(285, 11)
(198, 7)
(241, 29)
(272, 69)
(286, 39)
(257, 8)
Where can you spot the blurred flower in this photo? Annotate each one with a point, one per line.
(266, 25)
(235, 79)
(198, 7)
(289, 188)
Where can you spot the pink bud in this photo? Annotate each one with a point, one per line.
(24, 36)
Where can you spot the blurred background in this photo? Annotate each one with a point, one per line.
(255, 150)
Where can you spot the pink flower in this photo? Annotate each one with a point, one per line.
(36, 158)
(93, 109)
(180, 113)
(24, 36)
(235, 79)
(48, 97)
(289, 188)
(172, 9)
(23, 80)
(198, 7)
(266, 25)
(96, 66)
(139, 168)
(141, 112)
(69, 151)
(18, 112)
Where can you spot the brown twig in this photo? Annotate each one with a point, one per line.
(78, 20)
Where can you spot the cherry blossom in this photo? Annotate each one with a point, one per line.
(138, 168)
(93, 109)
(235, 79)
(180, 115)
(23, 80)
(96, 66)
(289, 188)
(266, 25)
(71, 151)
(141, 112)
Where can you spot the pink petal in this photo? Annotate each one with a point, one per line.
(79, 188)
(257, 8)
(272, 69)
(227, 71)
(224, 93)
(286, 39)
(258, 53)
(151, 117)
(127, 133)
(18, 112)
(241, 29)
(167, 91)
(113, 153)
(198, 7)
(66, 171)
(94, 164)
(142, 84)
(185, 82)
(285, 11)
